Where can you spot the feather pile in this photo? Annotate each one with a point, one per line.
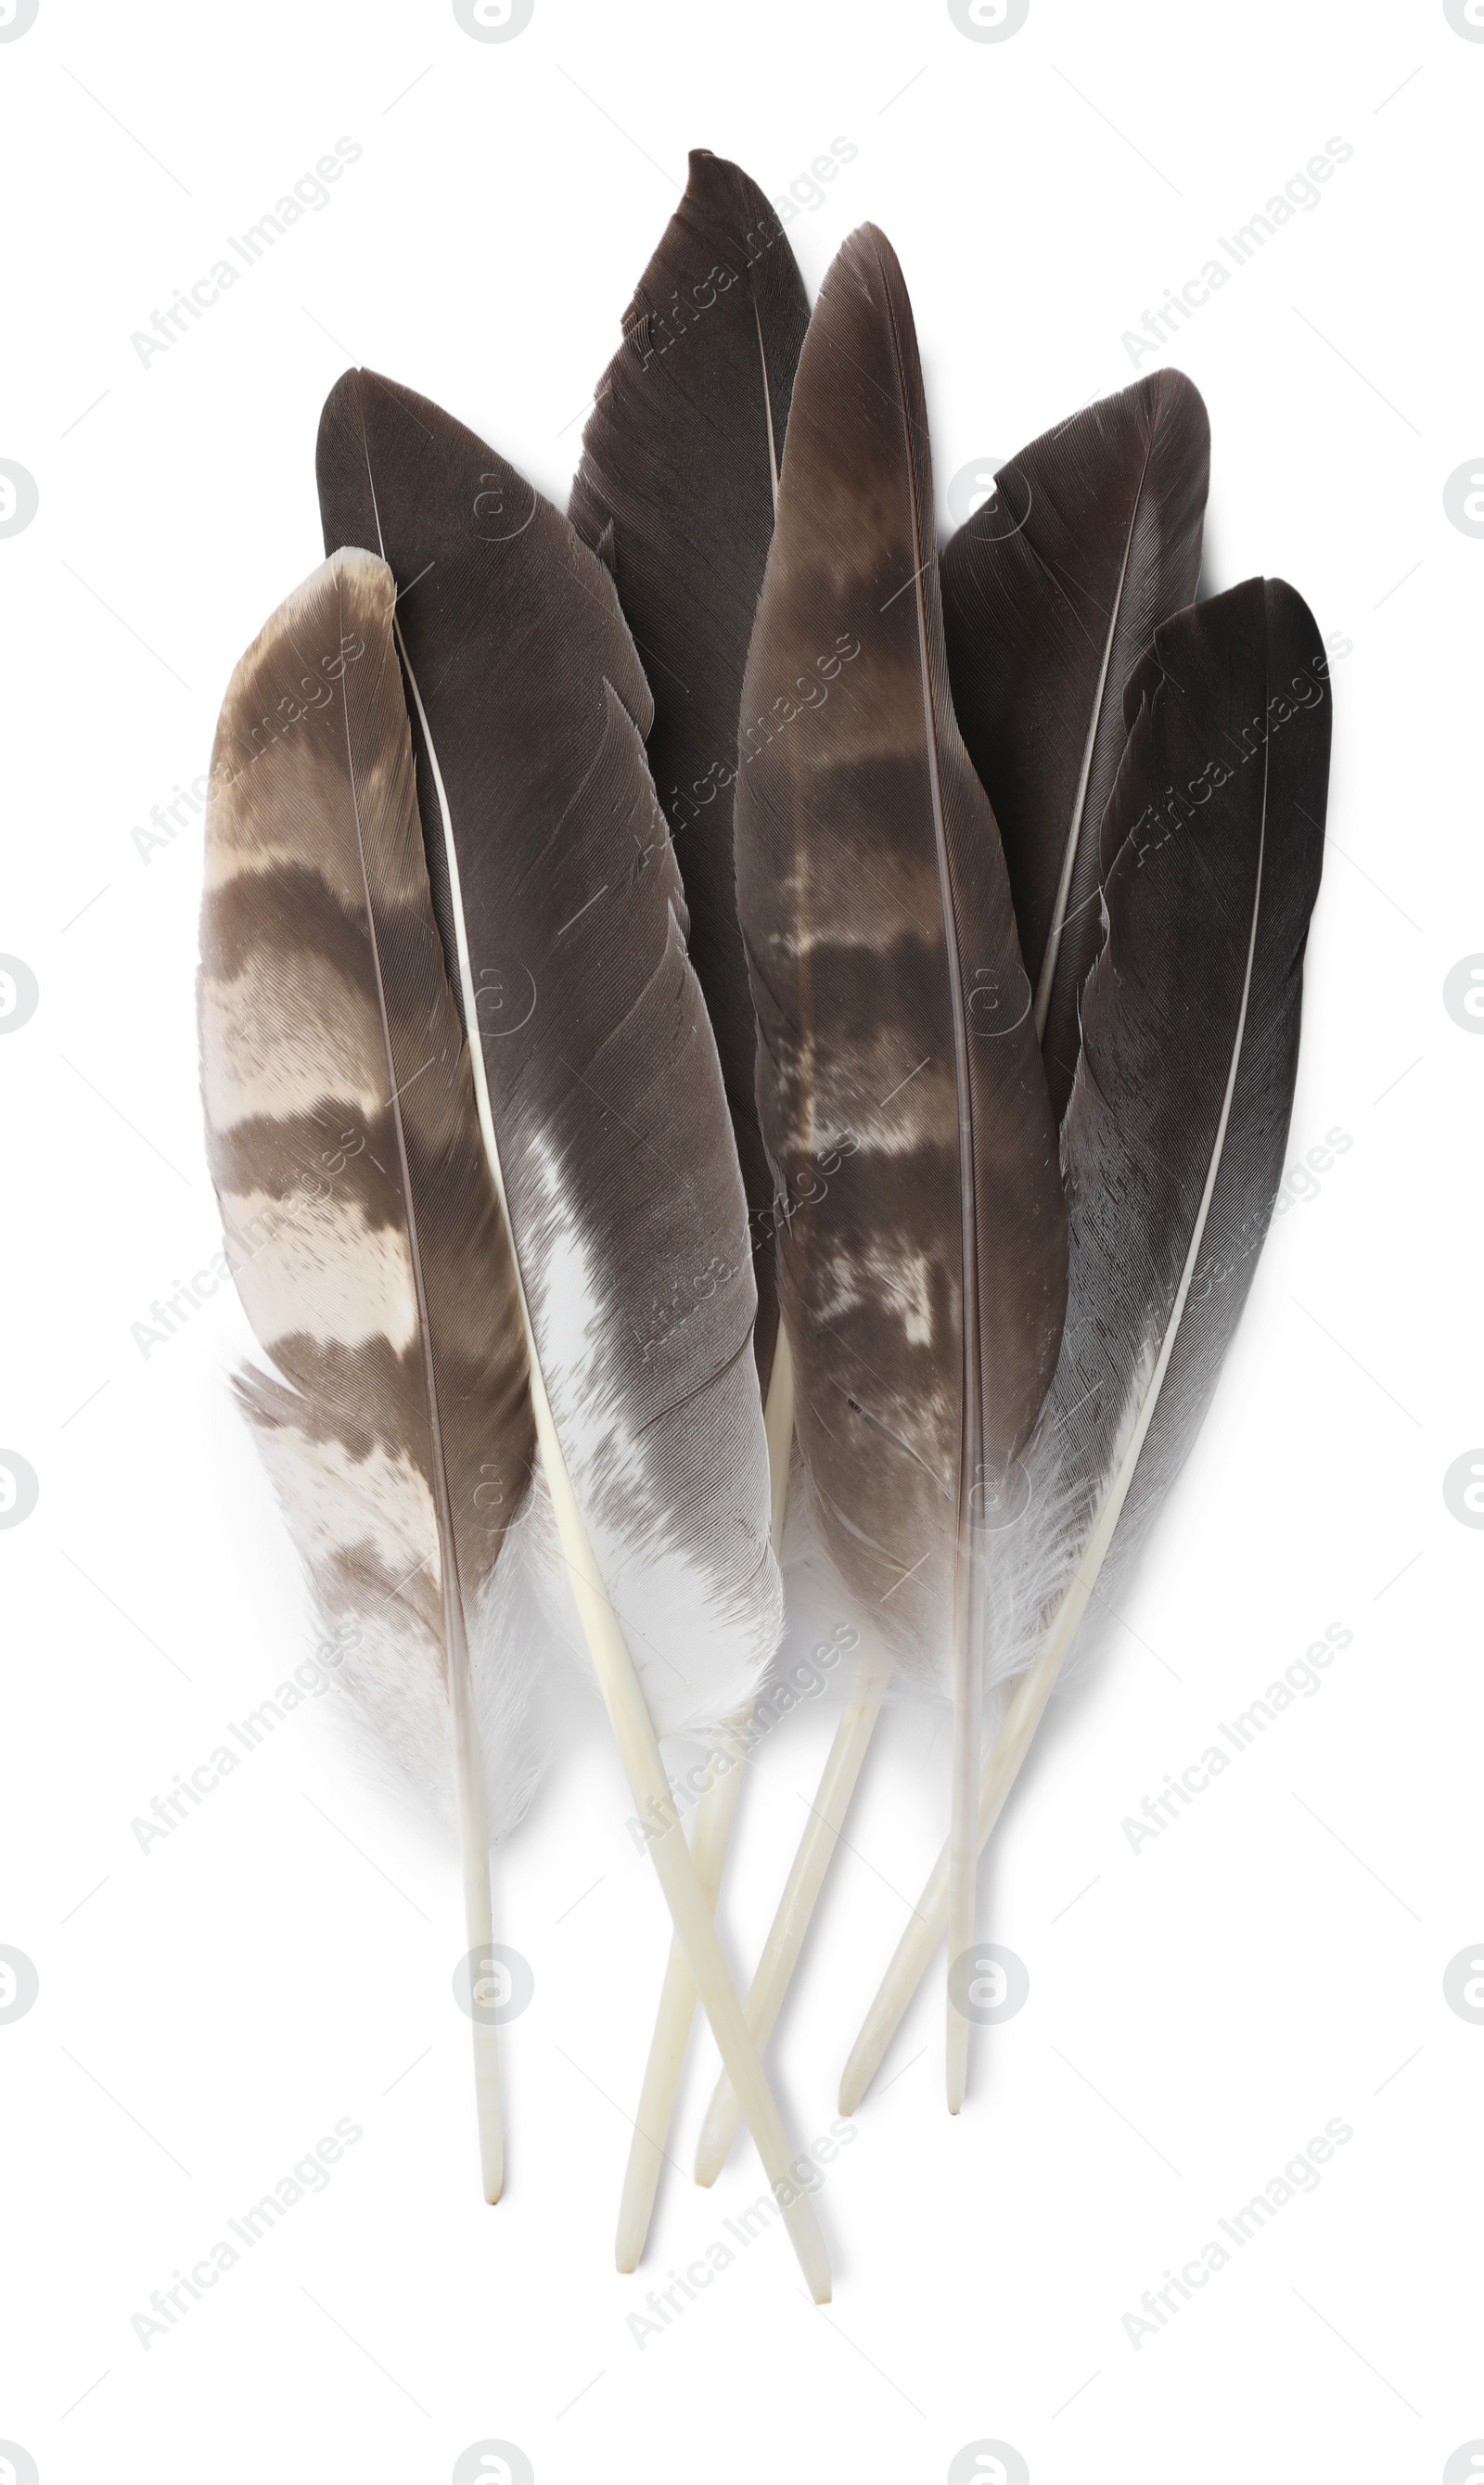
(706, 999)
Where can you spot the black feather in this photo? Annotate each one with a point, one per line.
(676, 491)
(1052, 593)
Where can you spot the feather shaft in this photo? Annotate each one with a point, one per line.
(676, 491)
(924, 1282)
(468, 1761)
(790, 1923)
(714, 1818)
(928, 1921)
(629, 1718)
(595, 785)
(676, 2010)
(325, 1008)
(690, 1908)
(1158, 1163)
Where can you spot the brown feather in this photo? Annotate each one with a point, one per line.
(345, 1145)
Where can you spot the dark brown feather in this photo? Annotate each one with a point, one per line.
(676, 491)
(617, 1160)
(1052, 593)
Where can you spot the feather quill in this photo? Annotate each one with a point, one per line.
(921, 1229)
(1052, 593)
(345, 1145)
(1173, 1142)
(676, 490)
(601, 1103)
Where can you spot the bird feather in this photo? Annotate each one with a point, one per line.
(601, 1101)
(345, 1146)
(901, 1093)
(920, 1227)
(1173, 1145)
(562, 909)
(1052, 593)
(1174, 1142)
(677, 489)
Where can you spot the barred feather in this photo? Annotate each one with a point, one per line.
(345, 1145)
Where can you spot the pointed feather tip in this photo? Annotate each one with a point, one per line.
(868, 253)
(866, 263)
(1170, 395)
(717, 184)
(352, 407)
(719, 196)
(350, 464)
(341, 412)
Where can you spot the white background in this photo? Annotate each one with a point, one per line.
(1199, 2010)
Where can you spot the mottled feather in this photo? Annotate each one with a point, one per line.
(922, 1232)
(343, 1142)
